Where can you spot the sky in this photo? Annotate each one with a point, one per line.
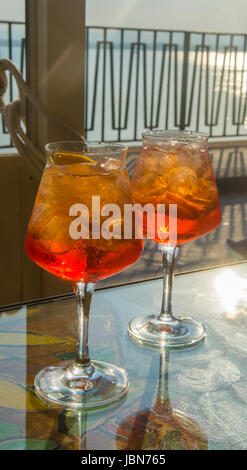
(205, 15)
(208, 15)
(12, 10)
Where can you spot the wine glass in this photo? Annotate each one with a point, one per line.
(174, 169)
(70, 235)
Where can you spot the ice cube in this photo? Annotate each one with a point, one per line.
(185, 207)
(158, 159)
(107, 165)
(144, 179)
(55, 234)
(207, 193)
(154, 152)
(183, 181)
(201, 163)
(159, 187)
(167, 162)
(184, 156)
(147, 161)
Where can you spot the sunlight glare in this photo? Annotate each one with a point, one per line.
(232, 290)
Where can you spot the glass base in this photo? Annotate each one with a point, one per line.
(71, 387)
(175, 333)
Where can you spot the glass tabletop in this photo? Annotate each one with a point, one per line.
(185, 399)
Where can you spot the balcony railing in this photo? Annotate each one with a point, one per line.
(140, 78)
(170, 79)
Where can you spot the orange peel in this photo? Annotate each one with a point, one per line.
(67, 158)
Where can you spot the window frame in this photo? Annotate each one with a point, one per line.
(55, 45)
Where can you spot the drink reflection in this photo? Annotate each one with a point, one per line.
(82, 430)
(161, 427)
(88, 429)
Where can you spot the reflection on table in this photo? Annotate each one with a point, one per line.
(161, 427)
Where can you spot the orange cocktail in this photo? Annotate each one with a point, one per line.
(48, 240)
(175, 173)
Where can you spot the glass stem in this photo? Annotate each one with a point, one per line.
(84, 292)
(169, 256)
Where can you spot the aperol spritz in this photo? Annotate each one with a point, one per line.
(172, 172)
(174, 168)
(72, 179)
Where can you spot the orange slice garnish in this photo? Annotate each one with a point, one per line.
(66, 158)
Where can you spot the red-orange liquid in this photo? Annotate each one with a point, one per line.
(82, 262)
(182, 176)
(48, 241)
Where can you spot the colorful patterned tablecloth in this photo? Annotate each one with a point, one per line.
(185, 399)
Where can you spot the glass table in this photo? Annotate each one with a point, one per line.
(186, 399)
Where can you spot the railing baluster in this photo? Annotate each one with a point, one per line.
(120, 85)
(212, 122)
(137, 84)
(168, 81)
(184, 80)
(153, 80)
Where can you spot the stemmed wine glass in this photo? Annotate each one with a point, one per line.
(174, 169)
(80, 183)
